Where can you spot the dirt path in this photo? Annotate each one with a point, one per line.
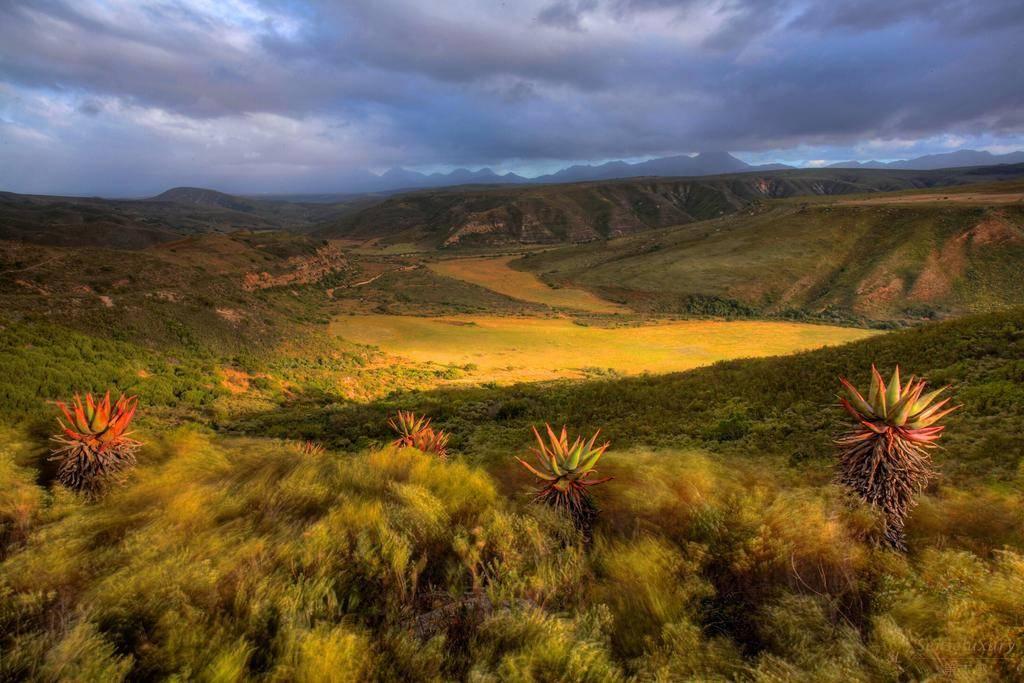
(372, 279)
(31, 267)
(376, 277)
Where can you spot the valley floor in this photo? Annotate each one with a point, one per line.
(514, 349)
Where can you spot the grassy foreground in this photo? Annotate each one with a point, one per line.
(722, 552)
(242, 559)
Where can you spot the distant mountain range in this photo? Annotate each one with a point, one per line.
(931, 162)
(703, 164)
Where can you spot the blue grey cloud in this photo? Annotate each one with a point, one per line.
(128, 96)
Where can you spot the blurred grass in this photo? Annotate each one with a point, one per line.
(238, 559)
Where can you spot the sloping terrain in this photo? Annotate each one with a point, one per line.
(221, 292)
(199, 196)
(585, 212)
(193, 291)
(780, 406)
(136, 224)
(831, 259)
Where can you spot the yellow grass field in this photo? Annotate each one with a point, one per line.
(507, 349)
(495, 274)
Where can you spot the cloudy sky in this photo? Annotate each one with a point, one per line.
(123, 98)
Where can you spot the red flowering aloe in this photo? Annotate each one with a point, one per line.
(885, 457)
(94, 447)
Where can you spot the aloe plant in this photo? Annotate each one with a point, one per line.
(885, 457)
(565, 472)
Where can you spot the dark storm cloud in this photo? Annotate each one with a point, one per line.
(278, 88)
(956, 16)
(566, 14)
(90, 107)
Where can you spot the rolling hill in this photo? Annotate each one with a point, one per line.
(219, 291)
(211, 199)
(140, 223)
(871, 258)
(585, 212)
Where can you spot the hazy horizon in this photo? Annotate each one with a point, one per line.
(393, 187)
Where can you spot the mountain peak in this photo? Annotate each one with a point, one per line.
(714, 156)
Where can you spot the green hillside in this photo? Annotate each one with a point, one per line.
(827, 259)
(141, 223)
(221, 293)
(583, 212)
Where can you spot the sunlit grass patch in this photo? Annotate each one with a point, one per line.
(495, 274)
(518, 349)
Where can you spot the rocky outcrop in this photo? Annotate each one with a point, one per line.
(300, 270)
